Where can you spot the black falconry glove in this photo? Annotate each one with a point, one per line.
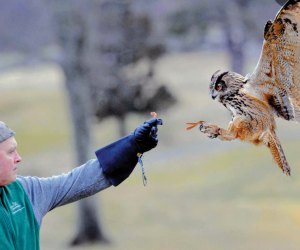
(119, 158)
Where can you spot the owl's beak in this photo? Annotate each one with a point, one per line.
(213, 96)
(211, 92)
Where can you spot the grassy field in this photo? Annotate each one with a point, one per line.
(201, 193)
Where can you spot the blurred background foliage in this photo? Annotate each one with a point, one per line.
(76, 75)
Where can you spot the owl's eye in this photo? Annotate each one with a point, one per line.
(218, 86)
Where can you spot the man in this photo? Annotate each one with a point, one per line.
(24, 201)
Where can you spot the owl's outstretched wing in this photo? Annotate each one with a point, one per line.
(277, 74)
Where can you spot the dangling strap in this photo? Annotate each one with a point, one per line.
(139, 155)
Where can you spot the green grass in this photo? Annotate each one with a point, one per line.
(201, 193)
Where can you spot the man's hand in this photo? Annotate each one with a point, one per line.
(145, 135)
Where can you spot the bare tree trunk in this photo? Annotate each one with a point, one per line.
(72, 32)
(89, 230)
(234, 28)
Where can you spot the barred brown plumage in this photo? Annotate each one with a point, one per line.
(273, 89)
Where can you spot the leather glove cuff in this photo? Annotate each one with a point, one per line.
(118, 159)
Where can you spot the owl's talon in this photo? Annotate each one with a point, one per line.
(210, 130)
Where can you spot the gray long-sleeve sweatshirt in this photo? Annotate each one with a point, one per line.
(46, 194)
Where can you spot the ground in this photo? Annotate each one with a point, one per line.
(201, 193)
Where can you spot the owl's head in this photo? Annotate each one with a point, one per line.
(225, 83)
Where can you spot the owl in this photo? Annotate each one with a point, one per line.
(272, 90)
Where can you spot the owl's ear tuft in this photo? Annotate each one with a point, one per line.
(215, 74)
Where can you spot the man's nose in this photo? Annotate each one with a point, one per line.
(18, 158)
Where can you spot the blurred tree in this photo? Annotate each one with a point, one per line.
(239, 21)
(73, 31)
(234, 24)
(93, 50)
(97, 40)
(127, 42)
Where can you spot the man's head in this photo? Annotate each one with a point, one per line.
(9, 157)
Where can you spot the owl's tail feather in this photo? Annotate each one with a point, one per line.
(274, 145)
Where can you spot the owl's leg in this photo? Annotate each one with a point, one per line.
(274, 145)
(214, 131)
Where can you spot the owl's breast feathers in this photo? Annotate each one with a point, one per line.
(251, 115)
(246, 104)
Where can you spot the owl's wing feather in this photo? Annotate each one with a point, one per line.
(277, 74)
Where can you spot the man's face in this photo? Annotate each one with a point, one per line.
(9, 158)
